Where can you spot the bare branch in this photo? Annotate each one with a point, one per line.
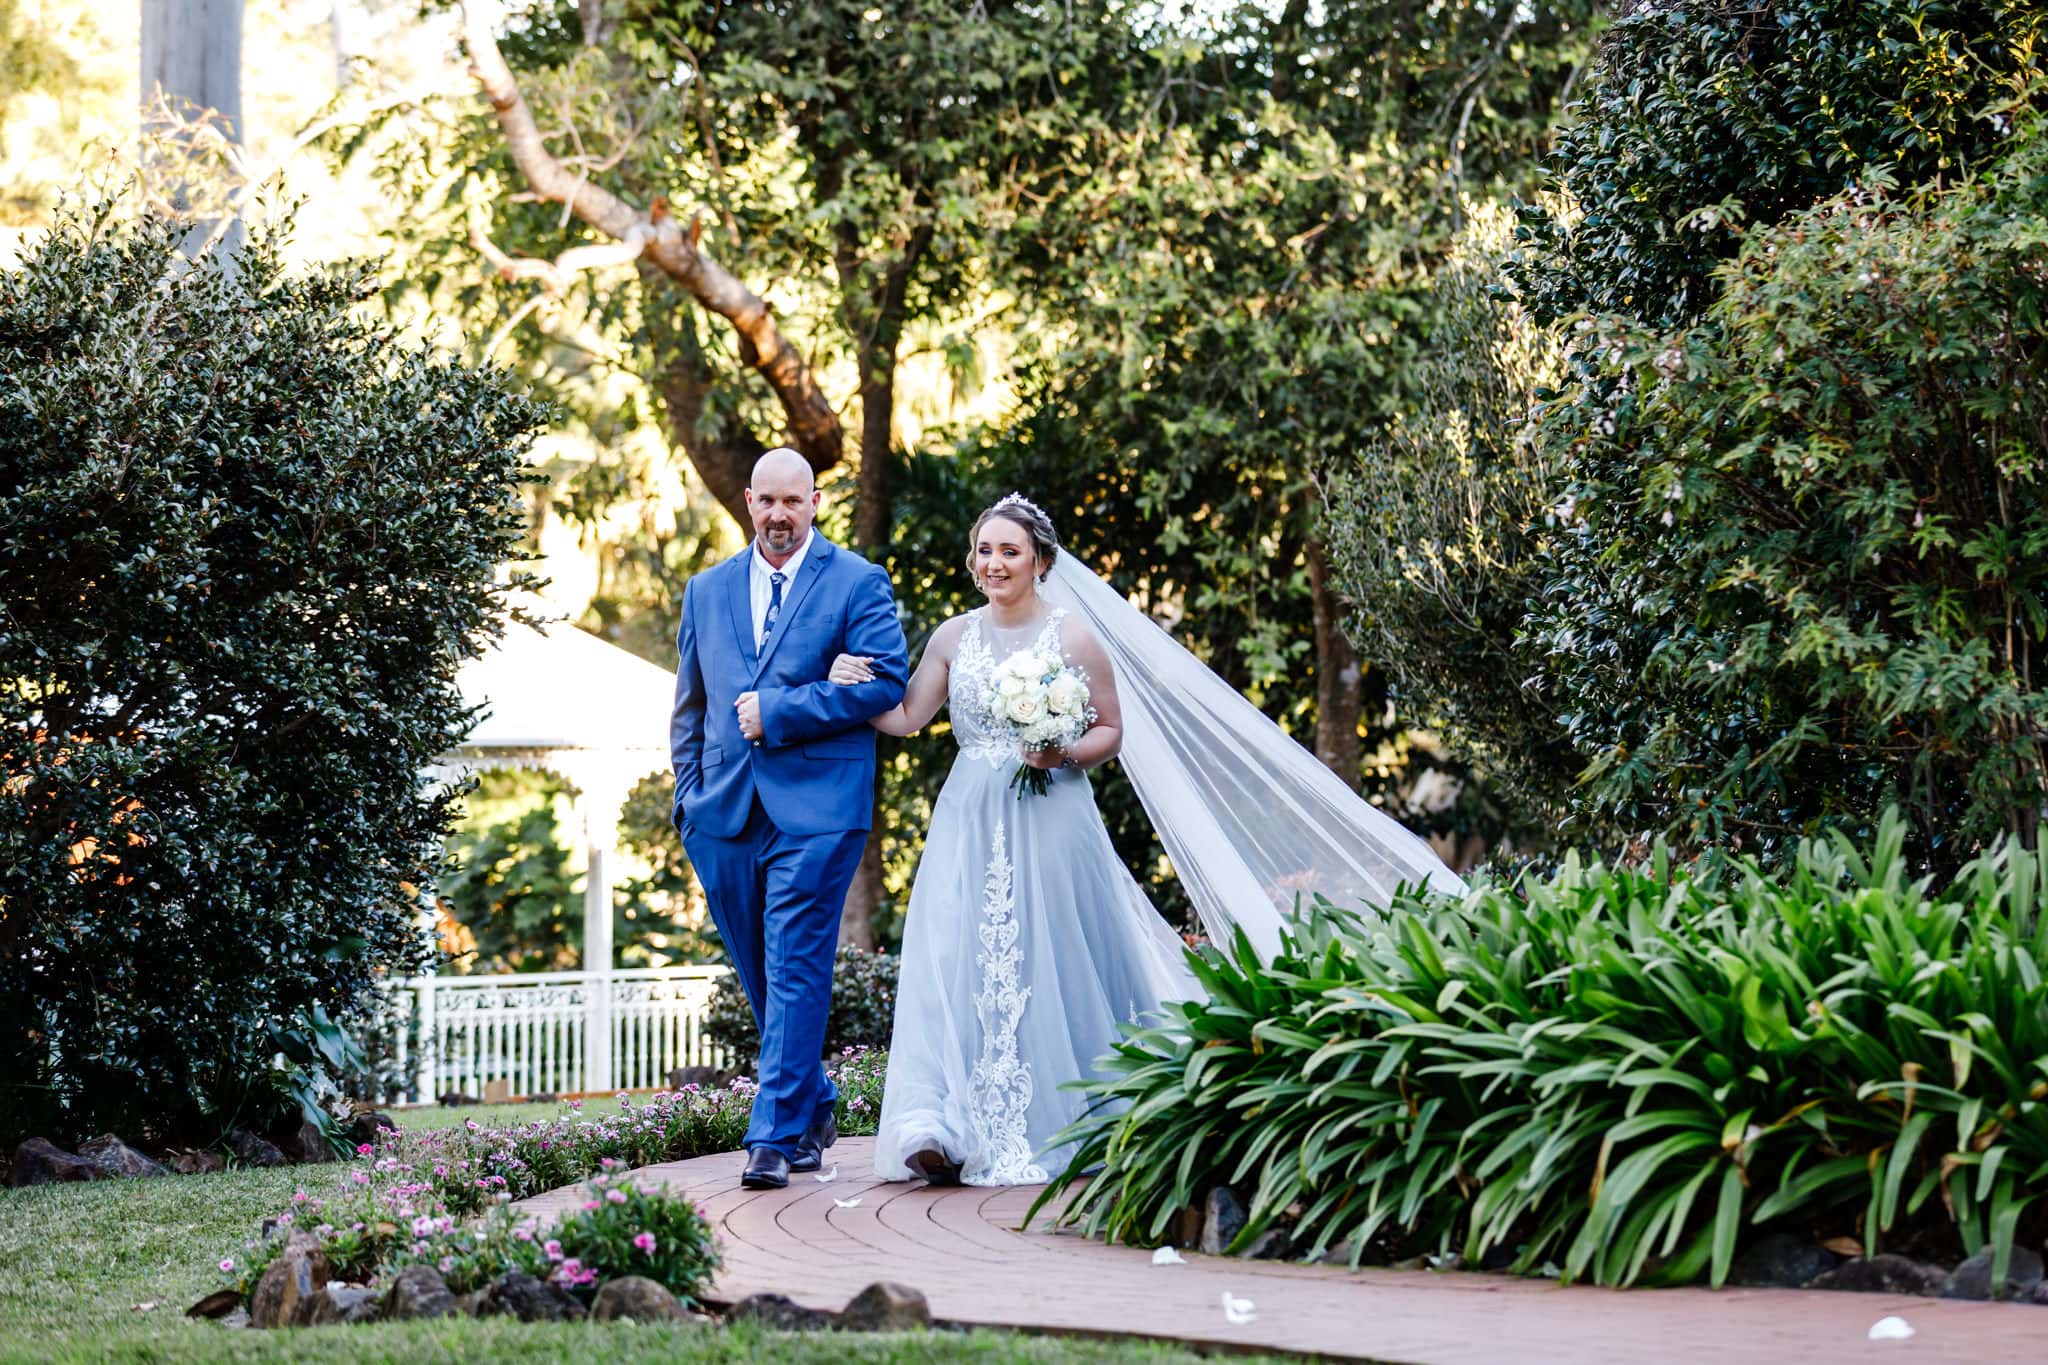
(813, 426)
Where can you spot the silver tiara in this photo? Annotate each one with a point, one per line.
(1019, 500)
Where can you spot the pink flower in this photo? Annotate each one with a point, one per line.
(299, 1198)
(553, 1249)
(364, 1149)
(615, 1196)
(227, 1266)
(645, 1241)
(589, 1204)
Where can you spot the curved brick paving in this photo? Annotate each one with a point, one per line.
(963, 1249)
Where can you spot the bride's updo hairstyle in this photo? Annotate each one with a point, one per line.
(1015, 507)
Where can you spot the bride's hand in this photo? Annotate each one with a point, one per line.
(1048, 759)
(849, 669)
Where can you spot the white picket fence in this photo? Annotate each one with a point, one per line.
(553, 1032)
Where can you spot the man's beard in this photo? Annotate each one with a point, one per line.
(779, 538)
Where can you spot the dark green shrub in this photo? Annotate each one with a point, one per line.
(245, 540)
(863, 1008)
(1707, 115)
(1622, 1072)
(1803, 571)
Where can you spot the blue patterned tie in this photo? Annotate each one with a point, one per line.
(775, 580)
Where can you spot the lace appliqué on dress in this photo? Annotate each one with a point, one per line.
(1000, 1088)
(979, 736)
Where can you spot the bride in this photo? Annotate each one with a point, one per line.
(1028, 945)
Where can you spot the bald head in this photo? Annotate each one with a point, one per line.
(782, 499)
(781, 466)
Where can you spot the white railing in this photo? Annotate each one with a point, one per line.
(554, 1032)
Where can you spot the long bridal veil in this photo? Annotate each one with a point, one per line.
(1252, 821)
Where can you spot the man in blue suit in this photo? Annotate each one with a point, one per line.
(775, 777)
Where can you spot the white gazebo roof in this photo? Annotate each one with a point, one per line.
(558, 688)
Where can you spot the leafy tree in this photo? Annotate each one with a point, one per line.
(1437, 534)
(843, 166)
(1241, 276)
(246, 537)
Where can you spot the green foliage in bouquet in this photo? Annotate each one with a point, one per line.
(246, 539)
(1619, 1072)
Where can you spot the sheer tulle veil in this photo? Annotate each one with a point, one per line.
(1253, 822)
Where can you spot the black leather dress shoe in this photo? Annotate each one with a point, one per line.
(811, 1148)
(767, 1169)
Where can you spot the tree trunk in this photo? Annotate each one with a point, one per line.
(857, 915)
(192, 56)
(873, 311)
(1340, 678)
(723, 453)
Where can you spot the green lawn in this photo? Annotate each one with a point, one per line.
(79, 1262)
(495, 1115)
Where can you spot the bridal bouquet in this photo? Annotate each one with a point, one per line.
(1043, 702)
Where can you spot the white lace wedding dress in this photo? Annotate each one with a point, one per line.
(1027, 946)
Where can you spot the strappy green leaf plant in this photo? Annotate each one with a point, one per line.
(1621, 1073)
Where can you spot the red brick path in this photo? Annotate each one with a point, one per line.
(963, 1249)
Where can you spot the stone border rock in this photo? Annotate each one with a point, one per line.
(38, 1161)
(295, 1291)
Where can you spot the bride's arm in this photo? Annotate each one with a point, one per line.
(1106, 736)
(926, 692)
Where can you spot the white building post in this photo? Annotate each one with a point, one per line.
(602, 795)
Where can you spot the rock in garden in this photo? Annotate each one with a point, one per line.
(1885, 1274)
(117, 1158)
(1972, 1279)
(218, 1304)
(517, 1294)
(1274, 1244)
(251, 1150)
(197, 1162)
(886, 1307)
(364, 1127)
(337, 1303)
(298, 1273)
(704, 1077)
(418, 1292)
(777, 1313)
(306, 1144)
(1223, 1217)
(634, 1298)
(1781, 1261)
(42, 1162)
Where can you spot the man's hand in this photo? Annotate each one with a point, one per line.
(749, 709)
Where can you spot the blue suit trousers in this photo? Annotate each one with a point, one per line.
(776, 898)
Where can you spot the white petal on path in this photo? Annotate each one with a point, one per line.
(827, 1177)
(1167, 1256)
(1237, 1312)
(1890, 1329)
(852, 1203)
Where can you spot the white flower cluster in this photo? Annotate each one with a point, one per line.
(1040, 699)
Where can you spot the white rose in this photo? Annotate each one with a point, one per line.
(1022, 664)
(1067, 695)
(1010, 685)
(1025, 709)
(1049, 664)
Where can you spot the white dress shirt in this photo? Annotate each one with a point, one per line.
(761, 588)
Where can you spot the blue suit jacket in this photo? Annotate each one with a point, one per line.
(814, 766)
